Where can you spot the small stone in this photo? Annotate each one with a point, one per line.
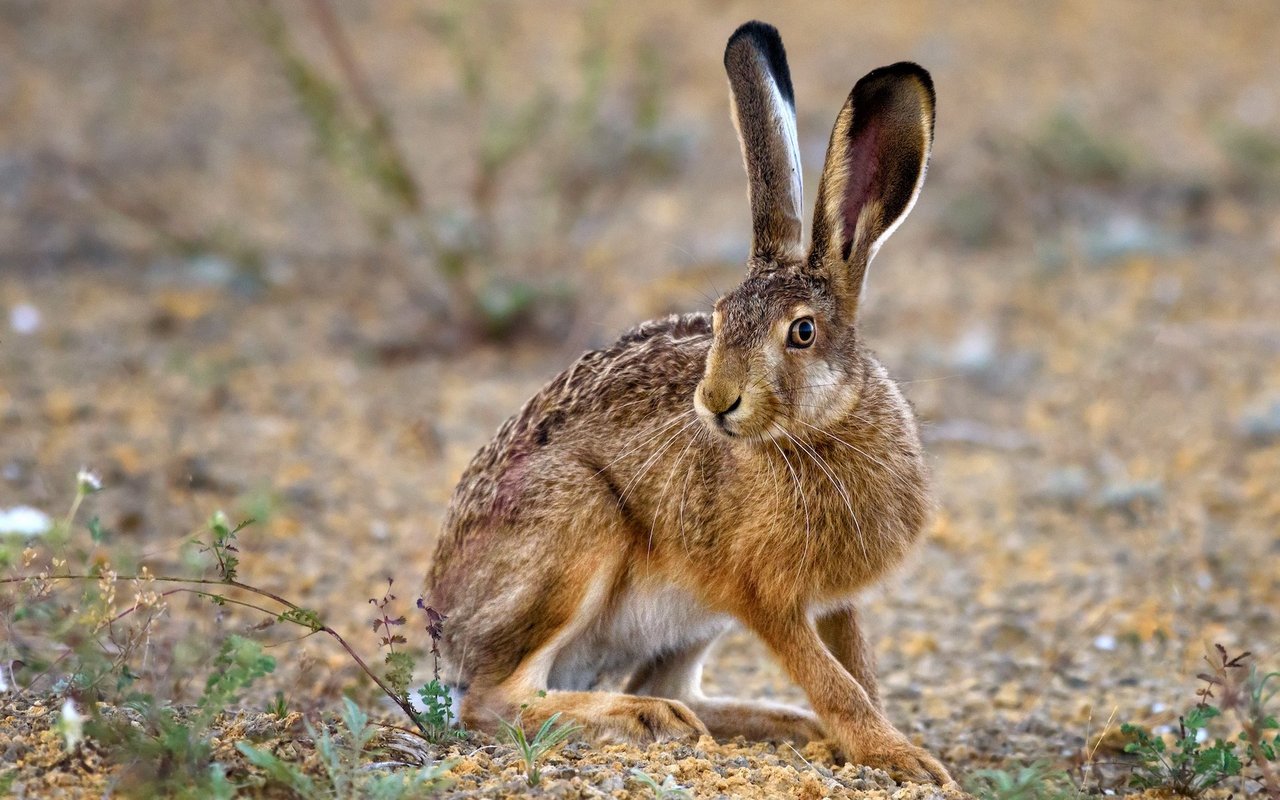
(975, 351)
(1008, 696)
(1262, 425)
(1131, 497)
(24, 319)
(1066, 486)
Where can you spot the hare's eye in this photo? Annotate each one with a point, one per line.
(802, 332)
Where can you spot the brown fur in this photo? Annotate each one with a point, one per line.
(701, 472)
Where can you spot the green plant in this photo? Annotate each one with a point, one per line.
(667, 790)
(170, 754)
(1067, 149)
(436, 719)
(531, 751)
(1036, 781)
(344, 773)
(1187, 767)
(1245, 691)
(100, 613)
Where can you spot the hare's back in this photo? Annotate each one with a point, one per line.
(650, 372)
(582, 416)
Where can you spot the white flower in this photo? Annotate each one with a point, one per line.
(71, 724)
(24, 521)
(88, 482)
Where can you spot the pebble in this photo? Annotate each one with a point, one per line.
(1066, 486)
(1262, 425)
(25, 319)
(1131, 497)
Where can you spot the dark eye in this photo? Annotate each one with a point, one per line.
(802, 332)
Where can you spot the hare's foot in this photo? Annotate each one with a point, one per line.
(847, 711)
(603, 716)
(727, 717)
(678, 674)
(890, 751)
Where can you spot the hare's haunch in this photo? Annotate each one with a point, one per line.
(752, 466)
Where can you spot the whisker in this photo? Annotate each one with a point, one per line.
(644, 468)
(853, 447)
(655, 434)
(684, 492)
(807, 530)
(835, 483)
(657, 509)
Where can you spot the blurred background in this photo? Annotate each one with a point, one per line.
(299, 260)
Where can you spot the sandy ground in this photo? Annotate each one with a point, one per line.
(1089, 336)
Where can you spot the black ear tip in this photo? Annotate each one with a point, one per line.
(897, 73)
(761, 32)
(764, 39)
(883, 82)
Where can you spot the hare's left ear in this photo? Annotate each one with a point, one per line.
(875, 167)
(764, 112)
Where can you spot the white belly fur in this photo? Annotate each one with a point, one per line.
(646, 622)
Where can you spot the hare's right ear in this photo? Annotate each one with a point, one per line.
(875, 167)
(764, 112)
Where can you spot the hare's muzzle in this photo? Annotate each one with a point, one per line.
(716, 403)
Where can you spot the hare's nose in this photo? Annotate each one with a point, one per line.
(732, 408)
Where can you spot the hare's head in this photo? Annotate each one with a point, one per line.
(784, 353)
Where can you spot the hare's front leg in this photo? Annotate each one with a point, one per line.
(851, 716)
(678, 675)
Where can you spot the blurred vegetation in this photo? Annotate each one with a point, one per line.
(479, 265)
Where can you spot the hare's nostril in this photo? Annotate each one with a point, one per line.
(733, 407)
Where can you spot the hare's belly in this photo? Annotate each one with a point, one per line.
(646, 622)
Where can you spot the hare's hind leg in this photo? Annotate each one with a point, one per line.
(842, 633)
(603, 716)
(678, 676)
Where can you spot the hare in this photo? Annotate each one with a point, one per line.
(752, 466)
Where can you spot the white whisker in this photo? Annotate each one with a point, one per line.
(799, 488)
(835, 483)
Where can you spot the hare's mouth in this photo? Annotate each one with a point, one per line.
(740, 425)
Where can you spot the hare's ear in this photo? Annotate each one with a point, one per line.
(875, 166)
(764, 112)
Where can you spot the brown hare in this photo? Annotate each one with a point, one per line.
(753, 466)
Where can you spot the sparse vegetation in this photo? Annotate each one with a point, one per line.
(170, 753)
(166, 751)
(346, 776)
(1037, 781)
(532, 750)
(667, 789)
(583, 155)
(1197, 761)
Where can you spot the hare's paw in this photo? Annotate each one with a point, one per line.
(642, 720)
(905, 762)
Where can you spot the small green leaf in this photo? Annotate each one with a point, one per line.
(305, 617)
